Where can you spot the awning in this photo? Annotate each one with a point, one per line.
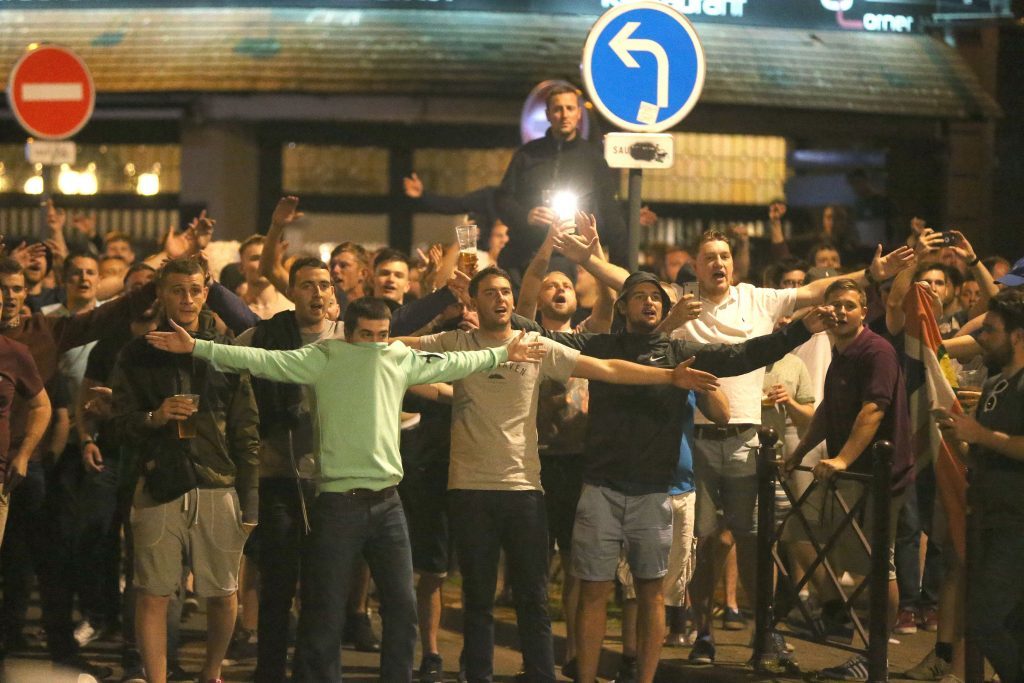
(483, 54)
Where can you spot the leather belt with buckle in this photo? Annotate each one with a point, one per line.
(370, 494)
(720, 433)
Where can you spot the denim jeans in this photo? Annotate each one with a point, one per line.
(98, 546)
(917, 589)
(483, 523)
(995, 593)
(343, 528)
(280, 535)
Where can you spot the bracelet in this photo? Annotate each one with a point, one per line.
(869, 278)
(976, 261)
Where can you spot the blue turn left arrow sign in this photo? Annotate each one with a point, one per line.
(643, 66)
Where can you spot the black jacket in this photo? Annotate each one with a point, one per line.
(226, 450)
(548, 164)
(634, 432)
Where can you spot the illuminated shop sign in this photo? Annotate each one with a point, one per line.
(892, 16)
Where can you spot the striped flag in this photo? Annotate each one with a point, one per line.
(930, 384)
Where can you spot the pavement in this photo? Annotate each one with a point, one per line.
(731, 664)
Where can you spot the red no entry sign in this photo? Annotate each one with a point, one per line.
(51, 92)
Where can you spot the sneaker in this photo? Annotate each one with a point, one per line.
(906, 622)
(189, 606)
(931, 668)
(242, 647)
(837, 628)
(431, 668)
(703, 652)
(86, 632)
(929, 619)
(732, 620)
(854, 670)
(359, 632)
(627, 671)
(134, 675)
(676, 640)
(82, 665)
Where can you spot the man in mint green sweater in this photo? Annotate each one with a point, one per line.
(359, 384)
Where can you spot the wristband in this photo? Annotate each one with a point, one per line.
(974, 262)
(869, 278)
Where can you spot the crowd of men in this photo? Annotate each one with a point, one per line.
(276, 437)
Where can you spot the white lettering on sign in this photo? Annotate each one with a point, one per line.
(52, 92)
(710, 8)
(895, 23)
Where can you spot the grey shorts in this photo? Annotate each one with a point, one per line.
(201, 530)
(609, 522)
(725, 472)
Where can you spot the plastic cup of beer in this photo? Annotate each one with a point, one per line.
(187, 427)
(467, 235)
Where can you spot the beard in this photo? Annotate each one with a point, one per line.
(998, 358)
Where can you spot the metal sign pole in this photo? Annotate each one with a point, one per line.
(636, 178)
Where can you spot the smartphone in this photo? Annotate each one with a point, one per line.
(692, 288)
(949, 238)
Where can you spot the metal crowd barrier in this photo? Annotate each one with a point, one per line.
(771, 567)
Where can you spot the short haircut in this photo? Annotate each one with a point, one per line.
(304, 262)
(712, 236)
(117, 236)
(69, 262)
(138, 268)
(367, 308)
(560, 90)
(250, 241)
(354, 248)
(821, 246)
(388, 255)
(180, 266)
(774, 272)
(9, 266)
(847, 285)
(490, 271)
(1009, 306)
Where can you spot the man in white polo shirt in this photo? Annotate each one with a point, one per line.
(725, 468)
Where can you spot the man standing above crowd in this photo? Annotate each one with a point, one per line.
(724, 462)
(560, 162)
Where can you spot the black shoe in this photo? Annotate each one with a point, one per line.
(359, 632)
(703, 652)
(732, 620)
(505, 598)
(134, 674)
(570, 669)
(242, 647)
(837, 628)
(82, 665)
(627, 671)
(431, 668)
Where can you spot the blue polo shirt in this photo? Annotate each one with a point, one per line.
(683, 481)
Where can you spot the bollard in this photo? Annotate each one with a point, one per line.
(767, 470)
(878, 616)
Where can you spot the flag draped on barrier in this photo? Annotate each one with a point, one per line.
(930, 384)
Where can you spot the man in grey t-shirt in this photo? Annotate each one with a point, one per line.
(494, 491)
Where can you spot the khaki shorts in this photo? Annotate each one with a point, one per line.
(824, 514)
(680, 557)
(201, 530)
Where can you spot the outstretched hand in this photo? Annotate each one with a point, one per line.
(573, 247)
(890, 265)
(286, 212)
(522, 351)
(820, 319)
(685, 377)
(177, 341)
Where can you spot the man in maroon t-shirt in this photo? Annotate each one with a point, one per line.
(865, 401)
(19, 380)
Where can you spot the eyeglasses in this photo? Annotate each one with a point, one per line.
(993, 398)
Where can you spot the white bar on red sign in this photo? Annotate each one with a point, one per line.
(52, 92)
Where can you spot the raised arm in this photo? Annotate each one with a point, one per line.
(882, 268)
(87, 327)
(271, 260)
(579, 251)
(533, 278)
(231, 309)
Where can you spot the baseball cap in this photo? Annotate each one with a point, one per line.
(639, 278)
(1015, 277)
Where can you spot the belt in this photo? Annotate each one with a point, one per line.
(720, 433)
(370, 494)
